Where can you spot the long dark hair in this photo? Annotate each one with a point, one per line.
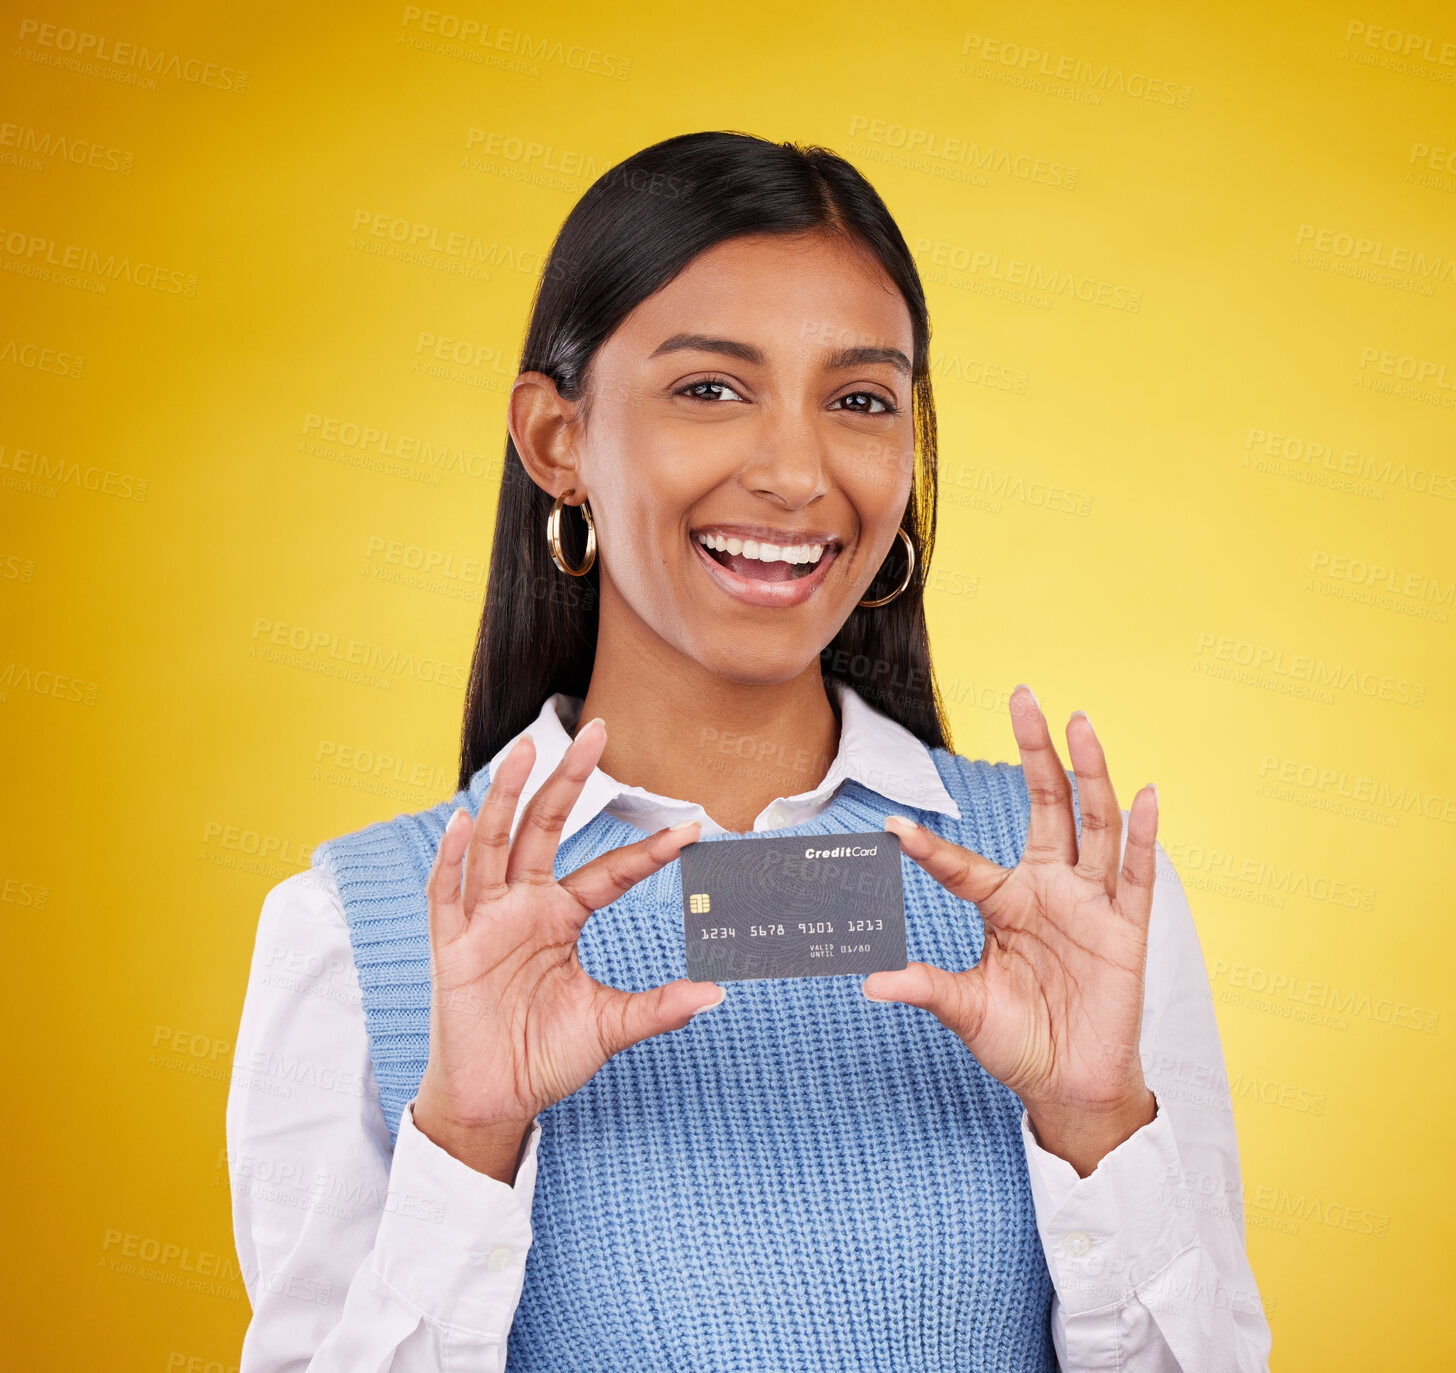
(640, 224)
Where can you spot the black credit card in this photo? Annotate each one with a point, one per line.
(810, 906)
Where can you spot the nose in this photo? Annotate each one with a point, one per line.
(790, 462)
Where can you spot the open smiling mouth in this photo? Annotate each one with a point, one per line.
(763, 560)
(759, 572)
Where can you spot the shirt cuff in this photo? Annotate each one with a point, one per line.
(453, 1241)
(1110, 1233)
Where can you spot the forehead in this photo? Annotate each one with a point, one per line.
(808, 293)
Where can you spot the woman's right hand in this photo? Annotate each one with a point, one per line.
(515, 1023)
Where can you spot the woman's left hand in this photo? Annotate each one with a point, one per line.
(1054, 1007)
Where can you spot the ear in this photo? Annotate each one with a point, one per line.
(543, 426)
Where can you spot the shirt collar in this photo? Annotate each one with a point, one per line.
(874, 750)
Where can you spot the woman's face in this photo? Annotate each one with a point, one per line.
(762, 402)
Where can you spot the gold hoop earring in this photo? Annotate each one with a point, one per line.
(553, 536)
(909, 572)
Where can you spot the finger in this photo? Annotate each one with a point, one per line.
(446, 907)
(532, 856)
(1101, 839)
(957, 1000)
(630, 1017)
(1052, 833)
(1140, 859)
(605, 878)
(485, 859)
(960, 871)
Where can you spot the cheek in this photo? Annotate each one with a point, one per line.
(659, 478)
(645, 529)
(877, 480)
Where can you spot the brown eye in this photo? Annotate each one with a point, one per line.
(694, 390)
(886, 407)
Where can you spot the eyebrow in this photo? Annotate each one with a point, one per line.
(746, 352)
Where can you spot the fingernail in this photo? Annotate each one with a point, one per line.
(455, 819)
(682, 825)
(722, 996)
(1154, 786)
(588, 727)
(869, 996)
(1083, 714)
(909, 824)
(1021, 686)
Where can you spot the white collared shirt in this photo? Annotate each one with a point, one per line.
(357, 1259)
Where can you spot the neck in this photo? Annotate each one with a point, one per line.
(678, 730)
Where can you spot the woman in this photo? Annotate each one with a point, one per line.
(522, 1141)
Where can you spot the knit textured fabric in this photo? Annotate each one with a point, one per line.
(800, 1179)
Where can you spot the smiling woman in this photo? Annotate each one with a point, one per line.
(764, 430)
(730, 337)
(726, 376)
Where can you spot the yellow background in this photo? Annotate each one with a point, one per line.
(170, 501)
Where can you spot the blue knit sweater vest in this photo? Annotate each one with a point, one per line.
(800, 1180)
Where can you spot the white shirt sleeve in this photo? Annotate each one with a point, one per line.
(1147, 1252)
(355, 1260)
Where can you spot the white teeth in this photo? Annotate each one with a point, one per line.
(793, 553)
